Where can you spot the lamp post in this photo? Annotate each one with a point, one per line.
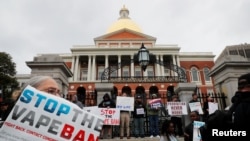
(143, 57)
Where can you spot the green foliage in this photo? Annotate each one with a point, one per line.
(7, 74)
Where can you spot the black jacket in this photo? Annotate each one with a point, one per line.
(241, 109)
(139, 105)
(107, 102)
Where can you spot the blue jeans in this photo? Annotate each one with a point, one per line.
(139, 127)
(154, 124)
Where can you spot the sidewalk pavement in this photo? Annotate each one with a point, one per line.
(137, 139)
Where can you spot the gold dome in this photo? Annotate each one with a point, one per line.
(124, 22)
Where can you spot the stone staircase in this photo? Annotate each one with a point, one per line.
(137, 139)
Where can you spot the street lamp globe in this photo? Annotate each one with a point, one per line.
(143, 57)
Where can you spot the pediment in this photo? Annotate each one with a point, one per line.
(125, 34)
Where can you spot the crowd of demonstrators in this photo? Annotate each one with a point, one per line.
(168, 131)
(138, 117)
(107, 102)
(153, 116)
(188, 131)
(124, 121)
(177, 119)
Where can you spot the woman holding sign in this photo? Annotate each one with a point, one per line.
(107, 102)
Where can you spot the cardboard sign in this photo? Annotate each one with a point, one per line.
(125, 103)
(196, 106)
(40, 116)
(111, 115)
(212, 107)
(140, 111)
(196, 131)
(177, 108)
(155, 103)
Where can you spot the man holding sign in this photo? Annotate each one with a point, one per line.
(138, 115)
(153, 108)
(124, 120)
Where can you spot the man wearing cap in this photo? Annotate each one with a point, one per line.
(241, 104)
(138, 115)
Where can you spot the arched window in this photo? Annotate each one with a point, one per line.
(206, 76)
(195, 75)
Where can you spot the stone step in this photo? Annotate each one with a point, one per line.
(137, 139)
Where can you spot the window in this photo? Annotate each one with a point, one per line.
(210, 90)
(137, 71)
(166, 72)
(206, 76)
(114, 73)
(125, 71)
(100, 71)
(84, 74)
(195, 74)
(150, 71)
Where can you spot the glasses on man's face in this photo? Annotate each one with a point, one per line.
(53, 91)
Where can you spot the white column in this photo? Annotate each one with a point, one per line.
(93, 69)
(174, 62)
(132, 67)
(106, 61)
(73, 67)
(178, 60)
(119, 70)
(162, 66)
(158, 66)
(76, 68)
(89, 69)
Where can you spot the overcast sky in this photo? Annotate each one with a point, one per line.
(31, 27)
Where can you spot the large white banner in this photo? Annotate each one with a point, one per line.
(111, 115)
(177, 108)
(125, 103)
(38, 116)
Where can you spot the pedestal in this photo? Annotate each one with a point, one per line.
(185, 91)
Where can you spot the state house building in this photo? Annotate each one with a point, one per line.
(113, 59)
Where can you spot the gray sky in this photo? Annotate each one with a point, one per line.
(31, 27)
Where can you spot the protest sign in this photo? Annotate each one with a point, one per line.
(155, 103)
(177, 108)
(212, 107)
(40, 116)
(125, 103)
(111, 115)
(196, 130)
(196, 106)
